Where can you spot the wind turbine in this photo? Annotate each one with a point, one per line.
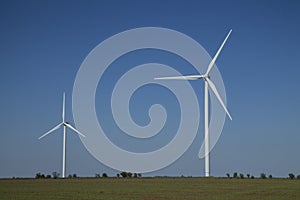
(65, 125)
(211, 85)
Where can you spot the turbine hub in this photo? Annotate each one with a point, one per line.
(65, 123)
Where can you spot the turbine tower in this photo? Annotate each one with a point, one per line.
(211, 85)
(65, 125)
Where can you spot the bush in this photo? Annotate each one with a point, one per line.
(228, 175)
(123, 174)
(104, 175)
(235, 175)
(97, 175)
(270, 176)
(55, 175)
(252, 177)
(291, 175)
(248, 175)
(298, 177)
(241, 176)
(129, 174)
(118, 175)
(263, 176)
(39, 175)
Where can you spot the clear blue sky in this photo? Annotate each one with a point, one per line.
(43, 43)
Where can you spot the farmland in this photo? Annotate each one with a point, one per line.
(149, 188)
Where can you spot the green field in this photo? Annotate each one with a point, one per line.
(149, 188)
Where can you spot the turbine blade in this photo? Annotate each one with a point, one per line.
(215, 91)
(71, 127)
(190, 77)
(63, 108)
(212, 63)
(53, 129)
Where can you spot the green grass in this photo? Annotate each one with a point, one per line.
(149, 188)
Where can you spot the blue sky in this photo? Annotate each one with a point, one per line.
(43, 43)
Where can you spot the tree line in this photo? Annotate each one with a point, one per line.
(262, 176)
(56, 175)
(124, 174)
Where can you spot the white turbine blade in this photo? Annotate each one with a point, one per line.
(53, 129)
(190, 77)
(71, 127)
(63, 109)
(212, 63)
(215, 91)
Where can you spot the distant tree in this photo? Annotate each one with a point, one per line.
(235, 175)
(298, 177)
(270, 176)
(97, 175)
(263, 176)
(129, 174)
(291, 176)
(104, 175)
(38, 175)
(252, 177)
(123, 174)
(135, 175)
(139, 175)
(241, 176)
(55, 175)
(48, 176)
(228, 175)
(248, 175)
(118, 175)
(74, 175)
(70, 176)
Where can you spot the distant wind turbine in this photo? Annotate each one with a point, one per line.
(65, 125)
(211, 85)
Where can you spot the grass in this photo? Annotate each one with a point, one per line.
(149, 188)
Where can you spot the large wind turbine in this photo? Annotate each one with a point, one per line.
(211, 85)
(65, 125)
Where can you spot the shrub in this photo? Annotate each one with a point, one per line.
(55, 175)
(252, 177)
(270, 176)
(241, 176)
(298, 177)
(248, 175)
(123, 174)
(263, 176)
(104, 175)
(228, 175)
(129, 174)
(39, 175)
(291, 175)
(97, 175)
(235, 175)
